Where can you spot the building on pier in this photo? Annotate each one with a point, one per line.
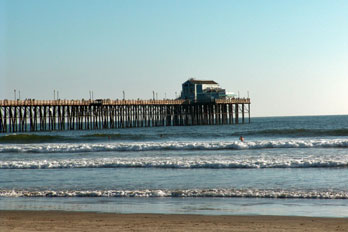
(203, 91)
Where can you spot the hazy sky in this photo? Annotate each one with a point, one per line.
(292, 56)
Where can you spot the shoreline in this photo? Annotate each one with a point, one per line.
(13, 220)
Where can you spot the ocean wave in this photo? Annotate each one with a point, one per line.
(296, 132)
(153, 136)
(45, 138)
(193, 162)
(156, 146)
(117, 136)
(216, 193)
(30, 138)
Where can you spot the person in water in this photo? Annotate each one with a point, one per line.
(241, 138)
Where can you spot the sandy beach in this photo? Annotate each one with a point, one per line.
(86, 221)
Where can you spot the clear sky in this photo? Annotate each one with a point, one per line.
(292, 56)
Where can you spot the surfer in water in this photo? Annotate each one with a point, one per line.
(241, 138)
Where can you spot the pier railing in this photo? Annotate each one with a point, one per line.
(33, 102)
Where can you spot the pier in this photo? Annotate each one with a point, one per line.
(49, 115)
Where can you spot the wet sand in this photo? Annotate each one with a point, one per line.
(85, 221)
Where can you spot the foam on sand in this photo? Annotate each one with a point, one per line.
(183, 193)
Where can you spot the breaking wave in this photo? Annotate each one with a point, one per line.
(226, 193)
(193, 162)
(157, 146)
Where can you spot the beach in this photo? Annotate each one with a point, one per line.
(87, 221)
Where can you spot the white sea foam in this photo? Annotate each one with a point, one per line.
(228, 193)
(215, 162)
(152, 146)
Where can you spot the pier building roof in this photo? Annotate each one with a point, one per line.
(202, 82)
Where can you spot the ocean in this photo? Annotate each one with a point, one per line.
(286, 166)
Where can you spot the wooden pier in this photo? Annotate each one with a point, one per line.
(49, 115)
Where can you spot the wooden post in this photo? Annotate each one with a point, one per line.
(237, 113)
(249, 112)
(243, 113)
